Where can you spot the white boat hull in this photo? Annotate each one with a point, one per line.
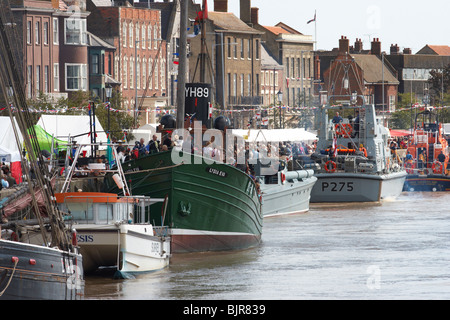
(357, 187)
(131, 248)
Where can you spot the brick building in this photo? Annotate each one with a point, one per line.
(294, 51)
(414, 69)
(54, 46)
(140, 57)
(346, 70)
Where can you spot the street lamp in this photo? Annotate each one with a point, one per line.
(108, 91)
(280, 99)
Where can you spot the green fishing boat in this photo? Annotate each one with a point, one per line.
(208, 207)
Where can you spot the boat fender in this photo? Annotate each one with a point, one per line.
(74, 238)
(437, 167)
(283, 177)
(330, 166)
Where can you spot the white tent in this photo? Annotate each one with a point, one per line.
(76, 127)
(9, 150)
(8, 144)
(293, 135)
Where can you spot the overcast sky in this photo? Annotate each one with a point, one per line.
(410, 24)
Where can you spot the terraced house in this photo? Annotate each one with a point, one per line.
(53, 44)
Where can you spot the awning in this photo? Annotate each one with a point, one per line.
(399, 133)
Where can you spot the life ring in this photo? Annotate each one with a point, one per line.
(437, 167)
(333, 166)
(344, 130)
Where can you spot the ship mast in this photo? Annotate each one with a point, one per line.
(11, 84)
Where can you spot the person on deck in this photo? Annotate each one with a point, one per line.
(153, 145)
(337, 118)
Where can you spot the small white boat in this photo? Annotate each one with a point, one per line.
(107, 235)
(113, 230)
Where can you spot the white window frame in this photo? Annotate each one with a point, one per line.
(56, 77)
(82, 32)
(82, 78)
(55, 31)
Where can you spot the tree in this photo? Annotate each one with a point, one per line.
(439, 85)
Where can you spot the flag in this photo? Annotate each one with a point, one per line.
(312, 20)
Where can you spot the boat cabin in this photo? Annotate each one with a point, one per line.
(103, 208)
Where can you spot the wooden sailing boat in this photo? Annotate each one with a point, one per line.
(52, 270)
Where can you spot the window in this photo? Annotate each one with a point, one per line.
(124, 33)
(94, 64)
(242, 48)
(267, 78)
(156, 75)
(163, 78)
(242, 84)
(235, 84)
(132, 72)
(257, 49)
(36, 32)
(130, 32)
(45, 32)
(46, 75)
(143, 36)
(28, 32)
(229, 47)
(137, 35)
(144, 71)
(271, 78)
(287, 68)
(249, 49)
(149, 36)
(55, 31)
(29, 79)
(235, 48)
(76, 77)
(276, 78)
(138, 73)
(56, 77)
(155, 36)
(293, 68)
(125, 72)
(75, 31)
(38, 78)
(299, 68)
(150, 75)
(249, 85)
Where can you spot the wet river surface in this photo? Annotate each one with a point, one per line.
(399, 249)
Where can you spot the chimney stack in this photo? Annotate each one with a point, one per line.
(246, 14)
(376, 47)
(344, 44)
(358, 45)
(255, 16)
(394, 49)
(221, 5)
(407, 51)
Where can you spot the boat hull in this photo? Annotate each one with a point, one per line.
(288, 198)
(131, 248)
(357, 187)
(41, 273)
(210, 206)
(415, 182)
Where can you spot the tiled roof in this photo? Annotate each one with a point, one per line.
(441, 50)
(228, 21)
(373, 69)
(276, 30)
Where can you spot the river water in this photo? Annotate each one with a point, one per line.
(399, 249)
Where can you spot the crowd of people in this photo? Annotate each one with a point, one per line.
(5, 176)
